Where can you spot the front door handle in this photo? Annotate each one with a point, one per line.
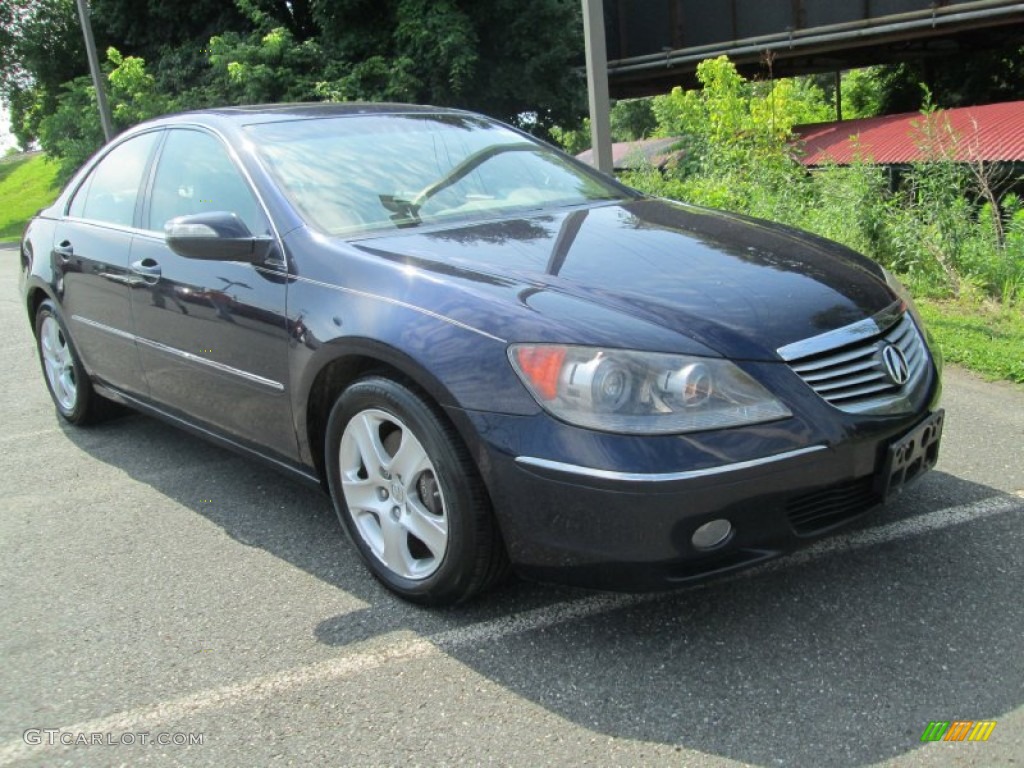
(148, 268)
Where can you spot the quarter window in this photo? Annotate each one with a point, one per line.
(195, 174)
(110, 193)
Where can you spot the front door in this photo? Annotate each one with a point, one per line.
(212, 335)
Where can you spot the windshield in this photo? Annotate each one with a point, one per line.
(364, 173)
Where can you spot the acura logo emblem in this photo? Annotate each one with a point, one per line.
(895, 364)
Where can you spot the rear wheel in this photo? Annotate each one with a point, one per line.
(409, 496)
(66, 379)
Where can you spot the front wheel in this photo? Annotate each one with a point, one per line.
(409, 496)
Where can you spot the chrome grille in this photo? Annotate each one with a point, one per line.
(854, 377)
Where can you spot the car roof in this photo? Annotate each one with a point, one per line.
(237, 116)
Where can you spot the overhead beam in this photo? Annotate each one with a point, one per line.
(932, 29)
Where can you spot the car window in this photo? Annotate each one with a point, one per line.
(112, 189)
(195, 174)
(364, 173)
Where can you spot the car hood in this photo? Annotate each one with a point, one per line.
(741, 287)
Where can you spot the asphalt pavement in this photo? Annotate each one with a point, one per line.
(154, 588)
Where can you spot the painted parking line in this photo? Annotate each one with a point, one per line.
(357, 660)
(901, 529)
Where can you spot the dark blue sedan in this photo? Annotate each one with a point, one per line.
(492, 357)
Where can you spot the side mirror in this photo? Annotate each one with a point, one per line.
(216, 236)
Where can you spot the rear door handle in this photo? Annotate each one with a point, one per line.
(148, 268)
(64, 250)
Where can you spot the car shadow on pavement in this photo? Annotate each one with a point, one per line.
(841, 659)
(261, 508)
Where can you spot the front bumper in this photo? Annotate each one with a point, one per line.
(626, 530)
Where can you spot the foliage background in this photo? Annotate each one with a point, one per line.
(512, 59)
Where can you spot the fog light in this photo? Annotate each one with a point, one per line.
(711, 535)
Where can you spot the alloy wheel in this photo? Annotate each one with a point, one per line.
(59, 364)
(393, 495)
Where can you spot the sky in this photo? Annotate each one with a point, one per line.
(6, 139)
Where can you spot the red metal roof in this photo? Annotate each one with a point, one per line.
(990, 132)
(635, 154)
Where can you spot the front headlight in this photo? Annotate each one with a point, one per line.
(644, 393)
(899, 289)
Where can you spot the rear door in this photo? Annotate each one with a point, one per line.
(91, 251)
(212, 334)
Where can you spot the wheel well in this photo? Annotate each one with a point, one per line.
(329, 384)
(339, 374)
(35, 297)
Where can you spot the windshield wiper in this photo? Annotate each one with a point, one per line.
(466, 167)
(404, 213)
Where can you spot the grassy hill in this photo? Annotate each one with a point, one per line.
(26, 185)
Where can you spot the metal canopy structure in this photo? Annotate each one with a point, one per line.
(654, 45)
(646, 47)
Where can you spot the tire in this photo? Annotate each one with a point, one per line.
(66, 379)
(409, 496)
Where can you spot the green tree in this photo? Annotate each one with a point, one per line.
(863, 92)
(986, 76)
(42, 48)
(264, 68)
(445, 52)
(730, 118)
(72, 131)
(633, 119)
(457, 54)
(150, 28)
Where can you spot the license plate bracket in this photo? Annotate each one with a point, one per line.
(911, 455)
